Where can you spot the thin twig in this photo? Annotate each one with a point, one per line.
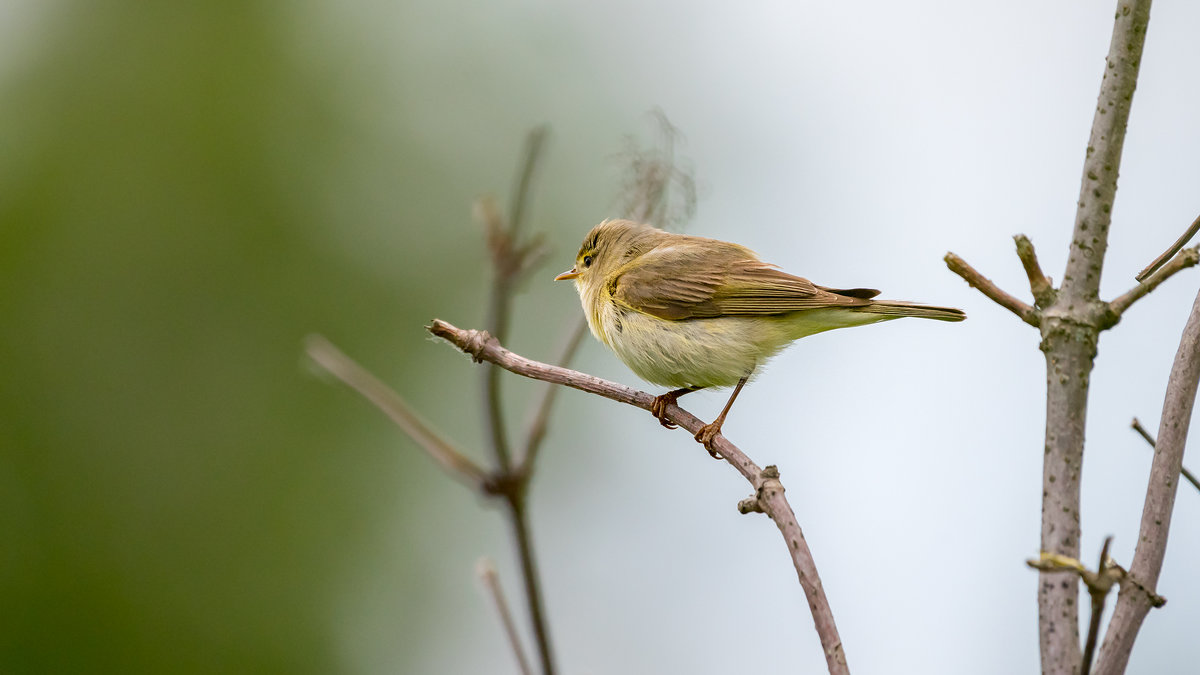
(330, 358)
(1183, 470)
(513, 257)
(508, 259)
(535, 143)
(1186, 258)
(1134, 603)
(1170, 252)
(519, 520)
(499, 303)
(536, 430)
(1039, 284)
(1137, 426)
(1098, 594)
(486, 571)
(1098, 583)
(484, 347)
(972, 276)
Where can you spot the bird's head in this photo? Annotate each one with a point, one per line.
(606, 248)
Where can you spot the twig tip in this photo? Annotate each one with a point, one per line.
(485, 569)
(314, 343)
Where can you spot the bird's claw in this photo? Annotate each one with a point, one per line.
(658, 408)
(707, 433)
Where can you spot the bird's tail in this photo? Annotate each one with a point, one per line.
(898, 309)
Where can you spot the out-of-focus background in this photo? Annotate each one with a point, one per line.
(188, 189)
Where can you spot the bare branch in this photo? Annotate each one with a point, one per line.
(972, 276)
(513, 257)
(1039, 284)
(499, 304)
(383, 397)
(519, 520)
(1183, 470)
(1070, 329)
(484, 347)
(509, 259)
(1137, 426)
(486, 571)
(1134, 604)
(1170, 252)
(1186, 258)
(535, 144)
(536, 430)
(1089, 242)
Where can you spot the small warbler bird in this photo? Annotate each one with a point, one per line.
(691, 313)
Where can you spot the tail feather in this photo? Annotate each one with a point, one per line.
(898, 308)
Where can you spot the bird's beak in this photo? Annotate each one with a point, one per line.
(569, 274)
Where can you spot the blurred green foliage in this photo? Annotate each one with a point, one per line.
(186, 190)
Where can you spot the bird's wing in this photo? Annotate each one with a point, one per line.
(724, 279)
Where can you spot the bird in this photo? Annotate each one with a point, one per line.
(692, 313)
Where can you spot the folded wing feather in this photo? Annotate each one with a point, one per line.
(728, 281)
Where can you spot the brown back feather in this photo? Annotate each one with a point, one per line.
(712, 278)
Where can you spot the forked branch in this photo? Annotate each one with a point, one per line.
(972, 276)
(1071, 319)
(1186, 258)
(768, 490)
(1171, 251)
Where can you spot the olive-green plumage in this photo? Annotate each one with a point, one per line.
(689, 312)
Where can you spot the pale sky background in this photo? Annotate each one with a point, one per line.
(852, 143)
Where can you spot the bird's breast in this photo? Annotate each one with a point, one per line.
(692, 353)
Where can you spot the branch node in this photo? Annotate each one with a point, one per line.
(1153, 598)
(750, 505)
(509, 485)
(477, 342)
(471, 341)
(1098, 583)
(1188, 257)
(766, 483)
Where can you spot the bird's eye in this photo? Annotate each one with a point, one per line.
(587, 261)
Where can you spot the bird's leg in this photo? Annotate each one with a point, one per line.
(709, 431)
(659, 407)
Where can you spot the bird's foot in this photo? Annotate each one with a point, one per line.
(707, 433)
(658, 408)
